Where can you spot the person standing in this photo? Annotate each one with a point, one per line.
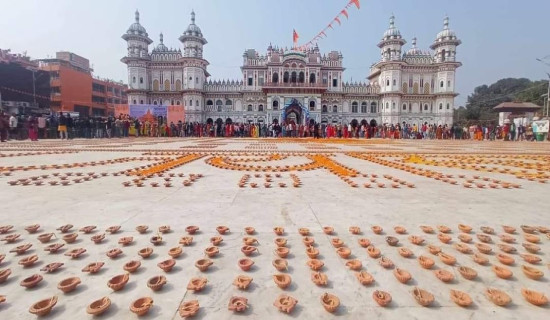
(33, 128)
(137, 126)
(62, 126)
(69, 131)
(13, 127)
(4, 126)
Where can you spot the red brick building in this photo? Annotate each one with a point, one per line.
(74, 89)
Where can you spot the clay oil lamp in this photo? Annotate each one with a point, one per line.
(127, 183)
(65, 228)
(280, 242)
(312, 252)
(502, 272)
(43, 307)
(192, 229)
(354, 265)
(314, 264)
(528, 229)
(377, 229)
(142, 229)
(69, 284)
(423, 297)
(248, 241)
(343, 252)
(141, 306)
(51, 267)
(507, 238)
(75, 253)
(461, 298)
(114, 253)
(32, 228)
(248, 250)
(480, 259)
(132, 266)
(98, 238)
(31, 282)
(530, 258)
(125, 241)
(483, 248)
(484, 238)
(167, 265)
(354, 230)
(427, 229)
(279, 231)
(382, 298)
(405, 252)
(392, 241)
(465, 238)
(249, 230)
(444, 275)
(145, 252)
(203, 264)
(242, 282)
(337, 242)
(285, 303)
(308, 241)
(467, 272)
(463, 248)
(113, 229)
(533, 248)
(117, 283)
(156, 240)
(505, 259)
(386, 262)
(237, 304)
(93, 267)
(280, 264)
(156, 283)
(87, 229)
(282, 280)
(373, 252)
(28, 261)
(186, 241)
(211, 251)
(531, 238)
(464, 228)
(445, 238)
(319, 278)
(509, 229)
(4, 274)
(532, 273)
(222, 229)
(98, 307)
(189, 308)
(70, 238)
(303, 231)
(498, 297)
(425, 262)
(11, 238)
(330, 302)
(197, 284)
(534, 297)
(416, 240)
(175, 252)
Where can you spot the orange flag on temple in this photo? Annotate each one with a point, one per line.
(295, 36)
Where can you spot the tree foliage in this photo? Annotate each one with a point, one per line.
(481, 102)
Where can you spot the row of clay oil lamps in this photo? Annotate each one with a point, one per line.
(268, 181)
(285, 303)
(219, 162)
(39, 153)
(440, 176)
(76, 164)
(168, 183)
(63, 180)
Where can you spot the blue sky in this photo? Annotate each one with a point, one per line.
(500, 38)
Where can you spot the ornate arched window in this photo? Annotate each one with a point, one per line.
(249, 108)
(141, 80)
(324, 108)
(354, 107)
(134, 80)
(166, 85)
(335, 109)
(312, 78)
(275, 105)
(363, 107)
(285, 77)
(301, 77)
(178, 85)
(275, 77)
(293, 77)
(261, 108)
(373, 107)
(155, 85)
(312, 106)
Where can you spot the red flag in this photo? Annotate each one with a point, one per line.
(323, 33)
(330, 25)
(338, 20)
(356, 2)
(295, 36)
(344, 12)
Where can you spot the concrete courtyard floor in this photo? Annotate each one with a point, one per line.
(340, 184)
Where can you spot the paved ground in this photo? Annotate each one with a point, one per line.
(312, 184)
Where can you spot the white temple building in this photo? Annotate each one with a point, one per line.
(413, 86)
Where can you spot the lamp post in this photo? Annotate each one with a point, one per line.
(547, 94)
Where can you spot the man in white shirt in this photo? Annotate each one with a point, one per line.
(13, 126)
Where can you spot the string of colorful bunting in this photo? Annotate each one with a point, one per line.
(344, 12)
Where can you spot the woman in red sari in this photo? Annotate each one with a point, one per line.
(33, 128)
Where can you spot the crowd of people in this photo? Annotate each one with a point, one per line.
(63, 126)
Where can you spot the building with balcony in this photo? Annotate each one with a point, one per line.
(23, 87)
(75, 89)
(415, 86)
